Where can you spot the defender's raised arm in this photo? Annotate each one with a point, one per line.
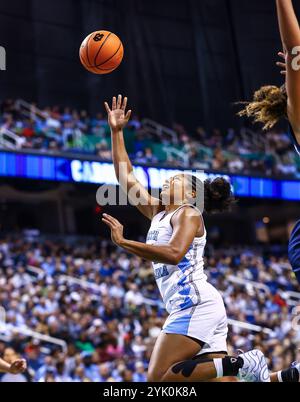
(290, 36)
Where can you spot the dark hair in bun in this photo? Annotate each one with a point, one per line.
(218, 196)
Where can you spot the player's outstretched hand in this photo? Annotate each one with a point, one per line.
(117, 116)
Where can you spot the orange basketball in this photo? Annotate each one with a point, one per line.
(101, 52)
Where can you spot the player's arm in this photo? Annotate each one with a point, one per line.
(18, 366)
(185, 228)
(290, 36)
(117, 119)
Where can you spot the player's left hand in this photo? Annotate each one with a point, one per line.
(18, 366)
(116, 229)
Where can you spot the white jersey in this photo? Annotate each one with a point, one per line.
(180, 284)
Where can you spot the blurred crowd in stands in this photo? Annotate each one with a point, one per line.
(112, 314)
(57, 130)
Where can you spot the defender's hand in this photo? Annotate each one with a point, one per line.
(117, 116)
(282, 64)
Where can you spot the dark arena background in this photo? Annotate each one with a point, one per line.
(74, 305)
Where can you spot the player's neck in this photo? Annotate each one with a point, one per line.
(171, 208)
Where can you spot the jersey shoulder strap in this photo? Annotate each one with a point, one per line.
(190, 206)
(184, 206)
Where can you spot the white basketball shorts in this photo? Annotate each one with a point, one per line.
(206, 321)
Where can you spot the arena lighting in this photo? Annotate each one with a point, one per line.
(56, 168)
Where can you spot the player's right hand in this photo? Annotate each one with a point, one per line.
(117, 116)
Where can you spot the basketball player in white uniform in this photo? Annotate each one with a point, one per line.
(187, 295)
(197, 323)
